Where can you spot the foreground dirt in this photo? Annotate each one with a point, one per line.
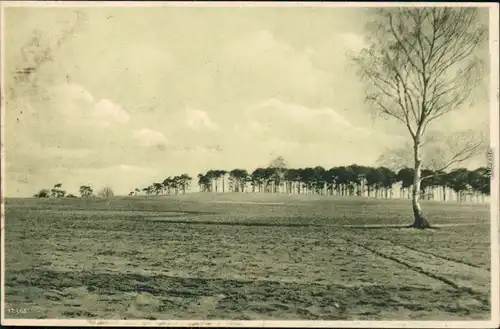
(121, 264)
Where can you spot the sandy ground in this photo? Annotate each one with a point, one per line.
(188, 260)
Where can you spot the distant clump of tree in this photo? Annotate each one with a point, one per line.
(86, 191)
(55, 192)
(106, 192)
(170, 185)
(43, 193)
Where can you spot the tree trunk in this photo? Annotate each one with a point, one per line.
(419, 220)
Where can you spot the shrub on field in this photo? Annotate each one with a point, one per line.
(86, 191)
(70, 196)
(43, 193)
(106, 192)
(57, 191)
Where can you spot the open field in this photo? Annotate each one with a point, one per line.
(245, 256)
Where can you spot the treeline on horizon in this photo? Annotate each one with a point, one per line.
(85, 191)
(353, 180)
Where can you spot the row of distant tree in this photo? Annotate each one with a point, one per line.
(353, 180)
(85, 192)
(170, 185)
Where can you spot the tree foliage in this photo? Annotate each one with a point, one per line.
(43, 193)
(86, 191)
(170, 185)
(355, 180)
(106, 192)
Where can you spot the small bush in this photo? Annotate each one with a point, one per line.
(43, 193)
(106, 192)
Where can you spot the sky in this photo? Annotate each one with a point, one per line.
(130, 96)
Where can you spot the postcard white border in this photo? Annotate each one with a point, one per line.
(2, 164)
(494, 142)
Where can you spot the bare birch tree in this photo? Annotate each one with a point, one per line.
(420, 65)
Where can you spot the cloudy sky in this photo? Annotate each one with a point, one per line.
(127, 96)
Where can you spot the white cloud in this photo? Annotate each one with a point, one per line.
(58, 152)
(75, 92)
(251, 128)
(77, 103)
(147, 137)
(68, 116)
(274, 118)
(199, 149)
(126, 167)
(260, 42)
(271, 63)
(110, 112)
(280, 146)
(198, 119)
(302, 114)
(332, 54)
(352, 41)
(299, 132)
(146, 59)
